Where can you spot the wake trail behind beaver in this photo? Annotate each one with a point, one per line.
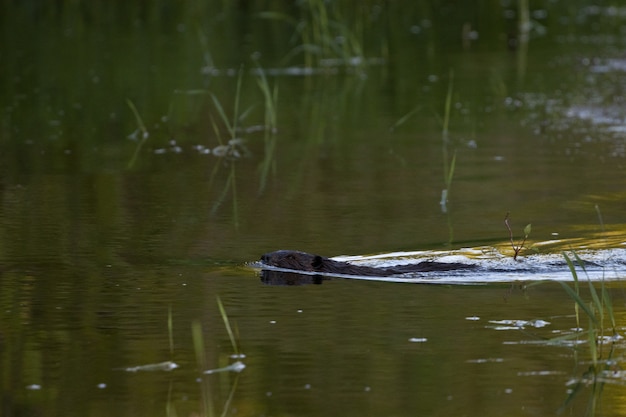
(480, 265)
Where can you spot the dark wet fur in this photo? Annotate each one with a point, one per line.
(302, 261)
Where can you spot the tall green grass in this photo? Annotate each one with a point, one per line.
(596, 332)
(598, 314)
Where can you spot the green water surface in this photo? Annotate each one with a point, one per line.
(148, 151)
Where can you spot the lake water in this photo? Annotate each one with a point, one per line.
(150, 153)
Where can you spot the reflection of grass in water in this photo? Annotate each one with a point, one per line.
(141, 128)
(199, 345)
(229, 329)
(270, 97)
(199, 348)
(231, 148)
(229, 151)
(449, 163)
(323, 33)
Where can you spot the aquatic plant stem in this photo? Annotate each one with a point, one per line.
(447, 107)
(518, 248)
(448, 167)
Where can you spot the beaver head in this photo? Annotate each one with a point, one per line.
(290, 259)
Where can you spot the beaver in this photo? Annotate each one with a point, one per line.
(303, 261)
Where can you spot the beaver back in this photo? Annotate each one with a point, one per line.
(303, 261)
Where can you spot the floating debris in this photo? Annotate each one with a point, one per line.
(233, 367)
(162, 366)
(540, 373)
(238, 356)
(485, 360)
(235, 149)
(517, 324)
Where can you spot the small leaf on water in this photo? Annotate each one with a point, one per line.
(527, 229)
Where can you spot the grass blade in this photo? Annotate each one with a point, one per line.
(236, 110)
(220, 199)
(229, 330)
(142, 129)
(170, 330)
(579, 301)
(450, 173)
(608, 304)
(198, 344)
(593, 348)
(404, 118)
(138, 118)
(594, 293)
(220, 111)
(270, 98)
(572, 269)
(573, 393)
(448, 106)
